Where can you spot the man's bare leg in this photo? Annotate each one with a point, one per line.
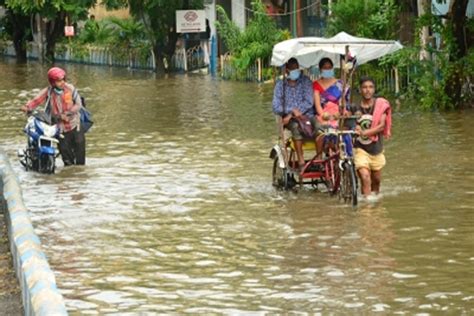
(299, 152)
(366, 181)
(375, 179)
(319, 146)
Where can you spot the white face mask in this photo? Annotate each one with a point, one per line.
(294, 74)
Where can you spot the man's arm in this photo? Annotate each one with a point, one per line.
(36, 101)
(277, 103)
(374, 130)
(307, 103)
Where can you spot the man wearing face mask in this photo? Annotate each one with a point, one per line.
(63, 102)
(292, 98)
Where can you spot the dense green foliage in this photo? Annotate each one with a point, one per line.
(49, 9)
(256, 41)
(444, 81)
(365, 18)
(54, 14)
(159, 20)
(123, 37)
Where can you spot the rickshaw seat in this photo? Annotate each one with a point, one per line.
(308, 144)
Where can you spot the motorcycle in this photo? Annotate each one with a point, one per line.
(42, 141)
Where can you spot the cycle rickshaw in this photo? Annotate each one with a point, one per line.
(335, 170)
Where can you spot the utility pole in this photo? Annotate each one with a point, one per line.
(294, 28)
(299, 21)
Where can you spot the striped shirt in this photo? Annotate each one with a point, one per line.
(69, 103)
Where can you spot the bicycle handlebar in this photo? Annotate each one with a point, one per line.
(339, 132)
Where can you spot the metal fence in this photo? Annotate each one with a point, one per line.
(256, 72)
(387, 79)
(189, 60)
(183, 60)
(106, 56)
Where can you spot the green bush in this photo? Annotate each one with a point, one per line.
(365, 18)
(256, 41)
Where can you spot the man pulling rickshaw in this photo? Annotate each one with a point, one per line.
(336, 169)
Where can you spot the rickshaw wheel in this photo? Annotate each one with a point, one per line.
(348, 190)
(281, 179)
(333, 177)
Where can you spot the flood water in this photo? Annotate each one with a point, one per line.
(175, 213)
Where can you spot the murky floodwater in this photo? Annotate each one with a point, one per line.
(175, 211)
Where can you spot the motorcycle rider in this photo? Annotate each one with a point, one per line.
(63, 102)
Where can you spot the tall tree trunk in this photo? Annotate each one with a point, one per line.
(20, 25)
(407, 17)
(54, 30)
(299, 21)
(457, 17)
(39, 38)
(424, 6)
(166, 51)
(159, 56)
(457, 21)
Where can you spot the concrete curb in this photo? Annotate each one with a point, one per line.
(38, 284)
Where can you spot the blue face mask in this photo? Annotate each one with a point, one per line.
(58, 90)
(294, 74)
(327, 73)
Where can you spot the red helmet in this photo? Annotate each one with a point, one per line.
(55, 74)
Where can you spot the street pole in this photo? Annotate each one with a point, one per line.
(299, 22)
(295, 34)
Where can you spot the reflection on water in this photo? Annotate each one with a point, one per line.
(174, 212)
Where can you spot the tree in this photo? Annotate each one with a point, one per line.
(423, 7)
(365, 18)
(458, 55)
(256, 41)
(17, 27)
(159, 19)
(50, 17)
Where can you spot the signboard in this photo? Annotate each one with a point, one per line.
(69, 31)
(190, 21)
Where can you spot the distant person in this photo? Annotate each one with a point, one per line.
(63, 103)
(92, 25)
(373, 125)
(292, 98)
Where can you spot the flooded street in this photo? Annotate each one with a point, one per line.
(175, 213)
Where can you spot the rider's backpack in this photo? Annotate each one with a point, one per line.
(86, 115)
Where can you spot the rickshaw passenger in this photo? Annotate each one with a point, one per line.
(327, 96)
(373, 125)
(327, 91)
(293, 98)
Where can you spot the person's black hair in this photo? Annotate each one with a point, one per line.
(324, 61)
(365, 79)
(292, 61)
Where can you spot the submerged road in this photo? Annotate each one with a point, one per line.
(175, 213)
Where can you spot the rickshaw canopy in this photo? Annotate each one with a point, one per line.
(310, 50)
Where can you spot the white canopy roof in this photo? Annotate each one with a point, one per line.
(309, 50)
